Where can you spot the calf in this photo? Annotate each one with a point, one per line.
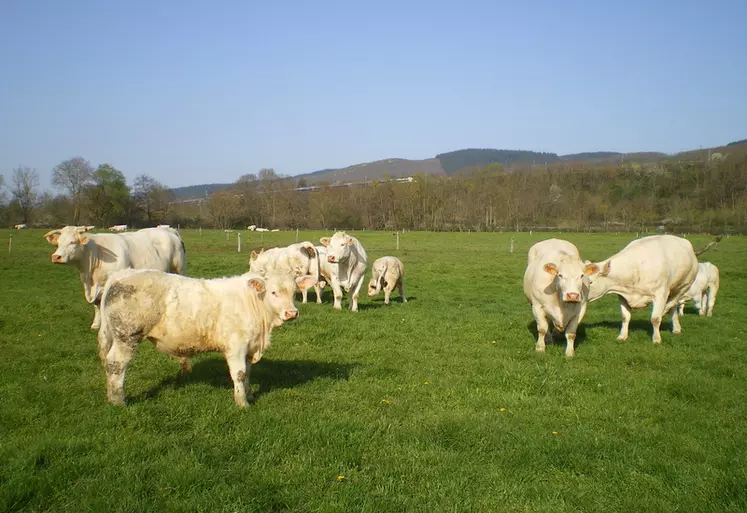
(556, 284)
(387, 272)
(301, 260)
(98, 255)
(184, 316)
(703, 291)
(657, 269)
(350, 261)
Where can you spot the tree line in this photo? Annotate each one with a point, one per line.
(695, 196)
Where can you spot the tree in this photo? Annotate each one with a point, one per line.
(25, 181)
(73, 175)
(151, 197)
(224, 208)
(109, 196)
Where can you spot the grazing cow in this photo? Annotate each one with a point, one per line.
(703, 291)
(556, 283)
(262, 230)
(251, 227)
(300, 260)
(350, 261)
(275, 230)
(387, 272)
(20, 226)
(163, 226)
(184, 316)
(657, 269)
(98, 255)
(118, 228)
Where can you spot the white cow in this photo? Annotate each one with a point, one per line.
(387, 273)
(98, 255)
(184, 316)
(350, 261)
(118, 228)
(326, 270)
(556, 283)
(275, 230)
(657, 269)
(19, 226)
(251, 227)
(163, 226)
(262, 230)
(300, 260)
(703, 291)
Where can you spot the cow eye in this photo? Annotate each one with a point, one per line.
(560, 276)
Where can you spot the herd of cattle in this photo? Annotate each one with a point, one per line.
(136, 284)
(660, 269)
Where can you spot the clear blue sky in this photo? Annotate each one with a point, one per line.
(195, 91)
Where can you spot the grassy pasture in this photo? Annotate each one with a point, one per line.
(440, 404)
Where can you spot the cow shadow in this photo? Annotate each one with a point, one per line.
(635, 325)
(268, 374)
(378, 302)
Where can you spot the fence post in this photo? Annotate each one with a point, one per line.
(10, 244)
(511, 248)
(227, 235)
(296, 234)
(200, 231)
(397, 241)
(261, 236)
(238, 239)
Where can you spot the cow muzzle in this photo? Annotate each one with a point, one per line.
(56, 259)
(291, 314)
(331, 259)
(573, 297)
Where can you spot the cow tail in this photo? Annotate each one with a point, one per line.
(708, 246)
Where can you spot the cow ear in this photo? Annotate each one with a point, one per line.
(82, 238)
(606, 270)
(324, 241)
(551, 268)
(257, 284)
(52, 236)
(305, 282)
(591, 268)
(308, 251)
(348, 241)
(253, 257)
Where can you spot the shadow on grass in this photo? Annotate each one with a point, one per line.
(556, 337)
(635, 325)
(328, 298)
(269, 374)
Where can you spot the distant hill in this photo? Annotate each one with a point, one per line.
(450, 163)
(453, 161)
(196, 191)
(394, 168)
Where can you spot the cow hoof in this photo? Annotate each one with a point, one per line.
(95, 326)
(569, 355)
(676, 332)
(621, 338)
(338, 307)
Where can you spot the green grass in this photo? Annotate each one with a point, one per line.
(440, 404)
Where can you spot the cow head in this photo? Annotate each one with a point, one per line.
(70, 242)
(276, 290)
(571, 279)
(338, 247)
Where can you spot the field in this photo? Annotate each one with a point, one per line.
(439, 404)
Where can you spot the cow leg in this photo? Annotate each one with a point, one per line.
(676, 326)
(337, 290)
(240, 376)
(681, 308)
(657, 312)
(542, 327)
(387, 292)
(712, 293)
(401, 287)
(96, 324)
(117, 358)
(185, 365)
(318, 289)
(625, 311)
(304, 294)
(355, 292)
(570, 332)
